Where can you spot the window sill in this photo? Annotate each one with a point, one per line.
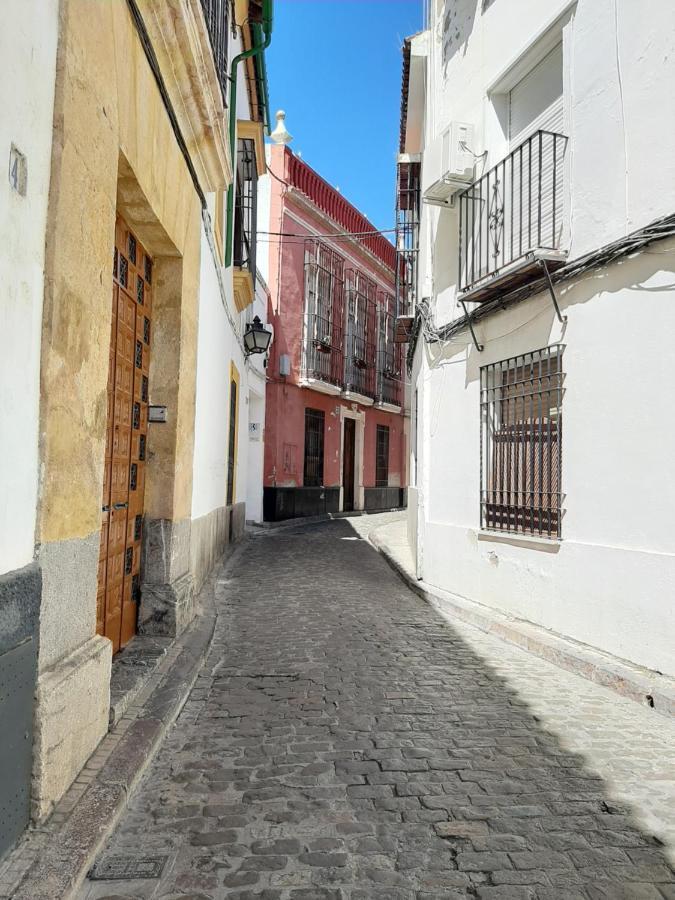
(529, 541)
(244, 292)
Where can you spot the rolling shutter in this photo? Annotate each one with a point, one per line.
(536, 102)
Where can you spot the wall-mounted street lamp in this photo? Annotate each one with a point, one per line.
(257, 338)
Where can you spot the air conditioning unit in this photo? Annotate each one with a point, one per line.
(448, 164)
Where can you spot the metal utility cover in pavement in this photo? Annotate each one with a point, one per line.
(128, 868)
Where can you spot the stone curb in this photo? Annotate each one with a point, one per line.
(71, 848)
(644, 686)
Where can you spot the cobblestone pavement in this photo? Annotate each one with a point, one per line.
(345, 742)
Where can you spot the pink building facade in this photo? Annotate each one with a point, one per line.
(335, 428)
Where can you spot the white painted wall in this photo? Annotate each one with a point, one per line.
(217, 344)
(220, 333)
(27, 103)
(257, 380)
(619, 67)
(610, 581)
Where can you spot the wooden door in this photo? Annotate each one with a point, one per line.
(348, 454)
(126, 437)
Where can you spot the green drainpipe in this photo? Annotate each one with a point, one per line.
(257, 50)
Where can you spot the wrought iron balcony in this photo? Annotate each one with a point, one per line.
(360, 366)
(215, 13)
(407, 244)
(323, 357)
(511, 219)
(348, 342)
(361, 323)
(389, 356)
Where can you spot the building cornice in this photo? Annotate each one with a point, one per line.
(180, 39)
(354, 244)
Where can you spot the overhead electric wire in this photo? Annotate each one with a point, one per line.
(636, 241)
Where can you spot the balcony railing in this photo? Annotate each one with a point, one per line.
(389, 357)
(215, 13)
(349, 329)
(246, 206)
(407, 236)
(513, 215)
(361, 324)
(324, 311)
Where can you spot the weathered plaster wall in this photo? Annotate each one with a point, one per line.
(285, 437)
(113, 150)
(27, 102)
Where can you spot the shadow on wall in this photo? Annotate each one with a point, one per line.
(457, 24)
(446, 742)
(627, 274)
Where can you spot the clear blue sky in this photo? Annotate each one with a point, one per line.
(335, 67)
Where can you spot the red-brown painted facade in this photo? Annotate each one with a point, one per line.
(332, 310)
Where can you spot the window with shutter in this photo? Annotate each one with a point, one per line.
(536, 102)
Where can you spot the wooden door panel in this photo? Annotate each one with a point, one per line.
(126, 436)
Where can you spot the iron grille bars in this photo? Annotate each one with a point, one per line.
(513, 209)
(324, 312)
(314, 428)
(382, 456)
(389, 354)
(215, 13)
(246, 206)
(521, 443)
(407, 236)
(361, 322)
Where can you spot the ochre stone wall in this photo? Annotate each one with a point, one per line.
(107, 104)
(114, 151)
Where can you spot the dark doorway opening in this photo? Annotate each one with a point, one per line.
(348, 454)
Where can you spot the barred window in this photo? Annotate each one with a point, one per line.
(521, 443)
(324, 311)
(382, 456)
(246, 206)
(313, 469)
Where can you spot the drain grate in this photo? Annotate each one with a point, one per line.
(127, 868)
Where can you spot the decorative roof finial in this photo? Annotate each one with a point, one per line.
(280, 135)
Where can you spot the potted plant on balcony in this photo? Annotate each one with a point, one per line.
(323, 344)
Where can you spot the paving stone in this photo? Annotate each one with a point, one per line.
(343, 742)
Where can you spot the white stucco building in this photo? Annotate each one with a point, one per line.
(535, 133)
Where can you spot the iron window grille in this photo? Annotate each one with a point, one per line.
(314, 429)
(389, 353)
(382, 456)
(216, 15)
(246, 206)
(360, 337)
(521, 443)
(512, 210)
(324, 313)
(407, 236)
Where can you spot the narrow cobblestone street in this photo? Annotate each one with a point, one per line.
(345, 742)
